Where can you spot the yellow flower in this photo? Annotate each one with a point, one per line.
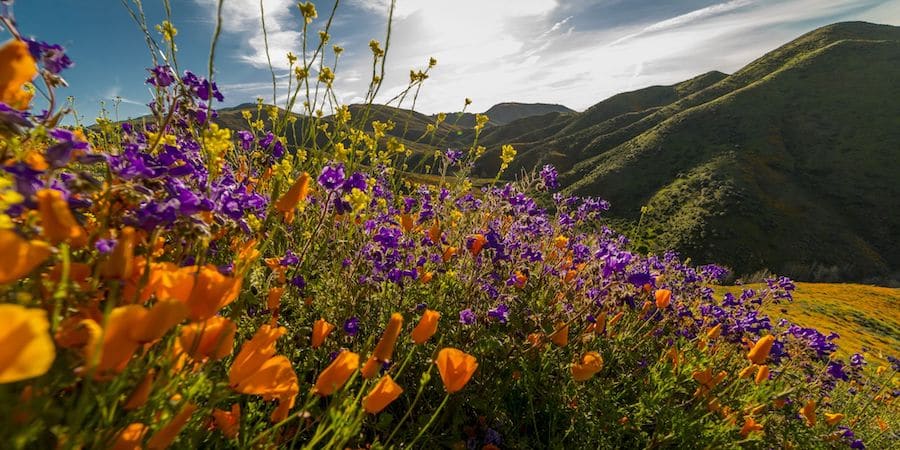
(167, 30)
(19, 257)
(456, 368)
(26, 348)
(308, 9)
(375, 46)
(326, 75)
(358, 200)
(17, 68)
(385, 392)
(507, 154)
(480, 121)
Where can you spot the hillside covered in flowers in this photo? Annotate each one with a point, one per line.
(177, 284)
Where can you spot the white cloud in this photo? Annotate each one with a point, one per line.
(542, 50)
(242, 17)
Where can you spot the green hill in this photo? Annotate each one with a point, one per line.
(789, 164)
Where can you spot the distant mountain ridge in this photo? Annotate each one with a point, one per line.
(504, 113)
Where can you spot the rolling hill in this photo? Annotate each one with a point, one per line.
(789, 164)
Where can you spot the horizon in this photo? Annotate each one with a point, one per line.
(499, 58)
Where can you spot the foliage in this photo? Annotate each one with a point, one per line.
(174, 282)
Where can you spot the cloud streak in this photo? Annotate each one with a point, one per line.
(546, 50)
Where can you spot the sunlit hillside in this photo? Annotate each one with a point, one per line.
(865, 317)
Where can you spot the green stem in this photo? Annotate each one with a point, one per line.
(430, 421)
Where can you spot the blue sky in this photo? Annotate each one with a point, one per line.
(573, 52)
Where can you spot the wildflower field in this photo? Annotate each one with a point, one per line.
(170, 282)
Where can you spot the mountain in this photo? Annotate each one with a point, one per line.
(504, 113)
(789, 164)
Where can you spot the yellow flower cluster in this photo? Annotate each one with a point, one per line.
(507, 154)
(216, 143)
(8, 197)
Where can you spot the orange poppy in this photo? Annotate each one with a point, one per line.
(257, 371)
(321, 330)
(833, 418)
(750, 425)
(273, 300)
(164, 437)
(590, 364)
(520, 279)
(385, 392)
(19, 257)
(427, 326)
(746, 372)
(57, 220)
(211, 292)
(212, 338)
(434, 233)
(808, 411)
(17, 68)
(337, 373)
(158, 320)
(406, 222)
(296, 194)
(714, 332)
(760, 351)
(456, 368)
(130, 438)
(449, 253)
(477, 243)
(121, 261)
(385, 347)
(762, 374)
(560, 336)
(141, 393)
(663, 298)
(229, 422)
(26, 348)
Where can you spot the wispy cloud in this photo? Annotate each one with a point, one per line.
(684, 19)
(575, 52)
(243, 18)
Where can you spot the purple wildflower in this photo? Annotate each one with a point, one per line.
(332, 177)
(467, 316)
